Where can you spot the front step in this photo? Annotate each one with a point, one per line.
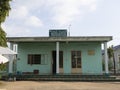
(61, 78)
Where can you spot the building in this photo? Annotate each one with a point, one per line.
(60, 54)
(116, 50)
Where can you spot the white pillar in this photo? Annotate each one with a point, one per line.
(10, 64)
(106, 58)
(57, 57)
(10, 70)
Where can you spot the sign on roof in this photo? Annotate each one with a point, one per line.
(58, 33)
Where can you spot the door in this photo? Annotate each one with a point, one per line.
(60, 62)
(76, 61)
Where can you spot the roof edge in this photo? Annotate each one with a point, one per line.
(53, 39)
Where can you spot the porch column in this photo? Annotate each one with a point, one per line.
(57, 57)
(106, 58)
(10, 70)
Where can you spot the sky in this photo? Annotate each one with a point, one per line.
(80, 17)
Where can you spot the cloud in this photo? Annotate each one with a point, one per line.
(63, 11)
(32, 15)
(34, 21)
(19, 12)
(66, 11)
(13, 30)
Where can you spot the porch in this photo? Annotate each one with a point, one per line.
(60, 77)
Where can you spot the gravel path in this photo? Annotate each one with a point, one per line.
(31, 85)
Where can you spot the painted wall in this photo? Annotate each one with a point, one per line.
(91, 64)
(34, 48)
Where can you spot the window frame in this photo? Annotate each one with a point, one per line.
(75, 58)
(33, 59)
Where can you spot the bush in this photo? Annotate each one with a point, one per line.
(2, 67)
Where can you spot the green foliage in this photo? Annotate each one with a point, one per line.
(4, 9)
(110, 52)
(2, 38)
(2, 67)
(110, 56)
(110, 65)
(4, 12)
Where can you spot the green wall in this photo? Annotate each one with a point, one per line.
(91, 64)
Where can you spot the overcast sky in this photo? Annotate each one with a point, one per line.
(85, 18)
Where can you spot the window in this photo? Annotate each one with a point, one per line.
(37, 59)
(34, 59)
(76, 59)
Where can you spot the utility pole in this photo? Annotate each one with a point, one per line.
(69, 30)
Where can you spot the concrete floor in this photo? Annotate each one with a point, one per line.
(32, 85)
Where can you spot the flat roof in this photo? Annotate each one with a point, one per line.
(60, 39)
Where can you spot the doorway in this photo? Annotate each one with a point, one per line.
(76, 61)
(60, 62)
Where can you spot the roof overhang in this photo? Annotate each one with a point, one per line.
(60, 39)
(6, 50)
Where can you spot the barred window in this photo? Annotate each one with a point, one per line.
(34, 59)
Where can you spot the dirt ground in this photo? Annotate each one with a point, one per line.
(32, 85)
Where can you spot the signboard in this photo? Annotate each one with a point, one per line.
(58, 33)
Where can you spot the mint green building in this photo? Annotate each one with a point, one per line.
(59, 55)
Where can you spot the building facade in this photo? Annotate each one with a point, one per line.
(116, 50)
(60, 55)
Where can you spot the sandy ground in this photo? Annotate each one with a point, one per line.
(32, 85)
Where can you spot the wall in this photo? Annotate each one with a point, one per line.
(34, 48)
(90, 64)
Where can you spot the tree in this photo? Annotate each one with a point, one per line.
(3, 66)
(110, 52)
(110, 56)
(112, 64)
(4, 12)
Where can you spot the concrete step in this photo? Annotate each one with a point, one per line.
(61, 77)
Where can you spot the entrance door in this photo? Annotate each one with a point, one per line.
(76, 61)
(60, 62)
